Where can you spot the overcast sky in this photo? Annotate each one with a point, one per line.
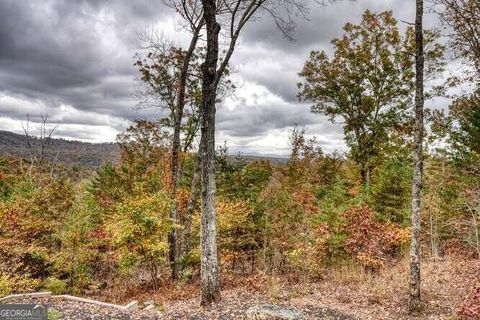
(73, 60)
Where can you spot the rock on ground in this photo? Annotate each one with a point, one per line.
(276, 312)
(272, 312)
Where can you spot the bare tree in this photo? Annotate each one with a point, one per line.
(39, 147)
(415, 302)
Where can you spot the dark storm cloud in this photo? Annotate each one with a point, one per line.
(282, 60)
(254, 121)
(323, 23)
(73, 52)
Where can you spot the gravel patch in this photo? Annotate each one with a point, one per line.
(60, 309)
(232, 307)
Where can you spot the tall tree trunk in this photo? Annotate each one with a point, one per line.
(176, 145)
(190, 209)
(210, 282)
(365, 175)
(415, 302)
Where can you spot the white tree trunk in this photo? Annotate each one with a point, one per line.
(210, 282)
(415, 302)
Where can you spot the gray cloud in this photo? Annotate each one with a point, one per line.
(74, 52)
(256, 111)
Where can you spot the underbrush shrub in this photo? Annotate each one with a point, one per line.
(28, 227)
(237, 238)
(29, 238)
(84, 243)
(139, 230)
(17, 257)
(356, 233)
(391, 191)
(13, 283)
(310, 259)
(371, 242)
(288, 235)
(55, 285)
(471, 308)
(459, 249)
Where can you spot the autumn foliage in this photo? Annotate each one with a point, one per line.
(107, 230)
(370, 241)
(471, 308)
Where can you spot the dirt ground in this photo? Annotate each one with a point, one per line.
(346, 293)
(351, 292)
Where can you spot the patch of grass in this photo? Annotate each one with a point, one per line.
(54, 315)
(56, 286)
(274, 288)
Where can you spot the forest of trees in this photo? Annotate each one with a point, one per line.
(171, 211)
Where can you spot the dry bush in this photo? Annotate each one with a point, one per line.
(12, 283)
(371, 242)
(471, 308)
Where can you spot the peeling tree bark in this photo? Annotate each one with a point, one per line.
(415, 302)
(210, 282)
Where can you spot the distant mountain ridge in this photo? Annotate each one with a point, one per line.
(72, 152)
(86, 154)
